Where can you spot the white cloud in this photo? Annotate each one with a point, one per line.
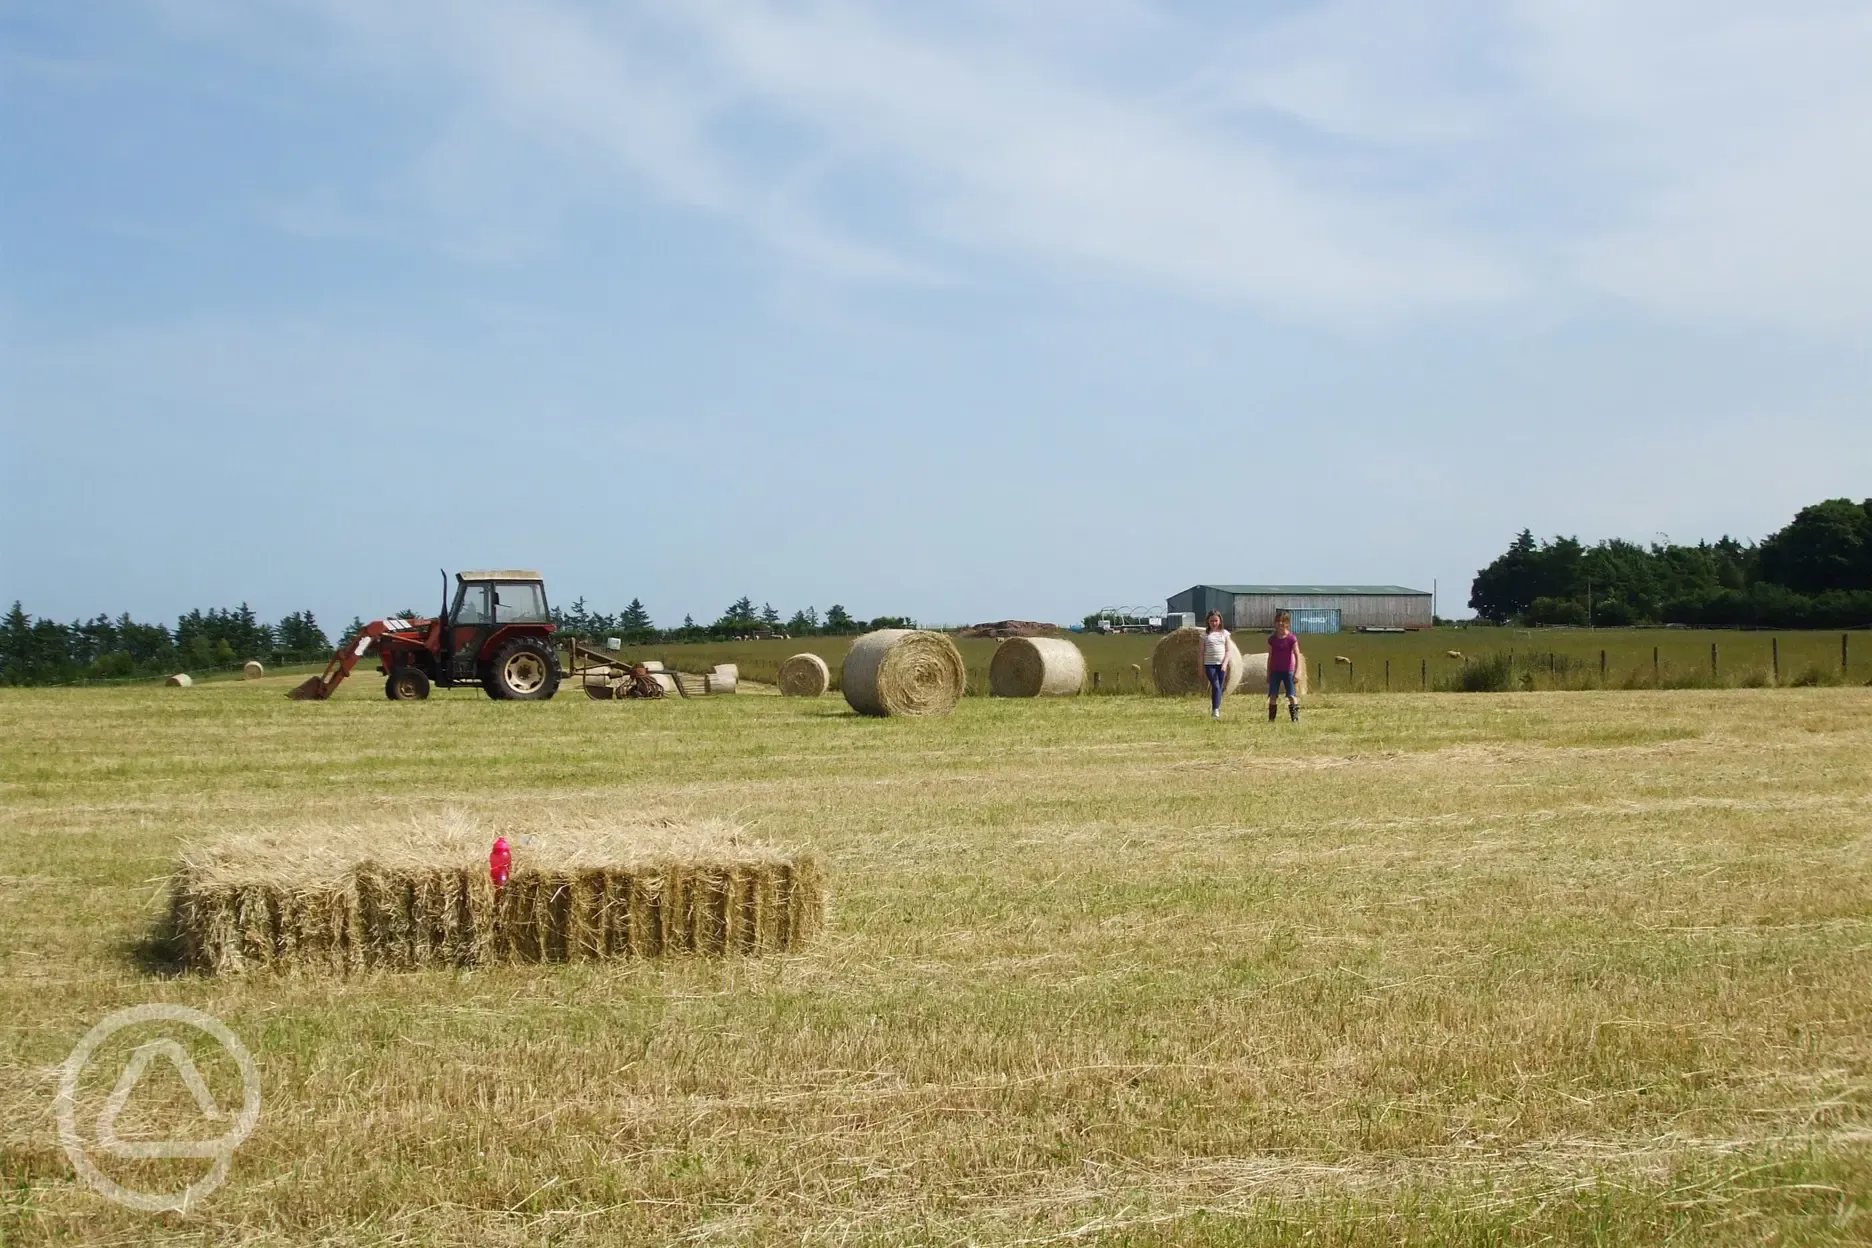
(972, 143)
(1347, 162)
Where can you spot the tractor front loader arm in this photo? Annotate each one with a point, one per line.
(318, 688)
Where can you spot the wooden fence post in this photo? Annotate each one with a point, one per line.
(1843, 651)
(1602, 667)
(1712, 658)
(1423, 673)
(1095, 682)
(1387, 675)
(1774, 650)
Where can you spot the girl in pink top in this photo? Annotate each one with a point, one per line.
(1283, 667)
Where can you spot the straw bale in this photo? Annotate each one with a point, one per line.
(805, 676)
(722, 678)
(903, 671)
(1032, 667)
(1177, 667)
(252, 670)
(180, 680)
(342, 899)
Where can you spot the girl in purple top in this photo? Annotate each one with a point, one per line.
(1283, 662)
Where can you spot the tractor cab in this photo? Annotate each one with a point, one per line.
(488, 603)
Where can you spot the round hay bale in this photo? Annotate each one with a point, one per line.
(903, 671)
(1177, 669)
(251, 670)
(179, 681)
(653, 666)
(805, 676)
(1036, 667)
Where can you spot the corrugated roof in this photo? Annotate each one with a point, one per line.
(500, 574)
(1340, 591)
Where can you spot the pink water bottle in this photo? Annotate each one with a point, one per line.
(500, 862)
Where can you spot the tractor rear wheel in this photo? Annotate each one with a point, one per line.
(406, 684)
(523, 671)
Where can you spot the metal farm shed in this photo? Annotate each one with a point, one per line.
(1315, 608)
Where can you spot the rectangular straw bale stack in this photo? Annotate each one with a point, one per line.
(405, 896)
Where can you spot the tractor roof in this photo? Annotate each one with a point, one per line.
(499, 574)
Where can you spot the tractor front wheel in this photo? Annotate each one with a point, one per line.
(406, 684)
(523, 671)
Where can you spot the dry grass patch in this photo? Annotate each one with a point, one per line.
(1433, 969)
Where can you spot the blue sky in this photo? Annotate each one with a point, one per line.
(962, 311)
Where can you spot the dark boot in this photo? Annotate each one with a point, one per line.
(1293, 711)
(1271, 711)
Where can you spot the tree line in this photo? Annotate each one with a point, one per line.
(634, 627)
(40, 651)
(1816, 572)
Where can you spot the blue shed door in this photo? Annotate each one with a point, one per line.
(1315, 619)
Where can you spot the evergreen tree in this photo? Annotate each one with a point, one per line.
(838, 620)
(635, 621)
(300, 637)
(578, 619)
(740, 617)
(769, 616)
(16, 646)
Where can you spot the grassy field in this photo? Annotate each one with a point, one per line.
(1558, 658)
(1433, 969)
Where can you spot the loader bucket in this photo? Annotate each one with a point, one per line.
(311, 690)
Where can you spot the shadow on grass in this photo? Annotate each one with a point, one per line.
(159, 951)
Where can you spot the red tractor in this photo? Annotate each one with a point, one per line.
(498, 635)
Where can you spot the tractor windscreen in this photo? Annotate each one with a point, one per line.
(520, 602)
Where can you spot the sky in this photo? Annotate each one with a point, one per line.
(964, 311)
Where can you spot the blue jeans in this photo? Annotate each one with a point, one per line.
(1218, 681)
(1276, 680)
